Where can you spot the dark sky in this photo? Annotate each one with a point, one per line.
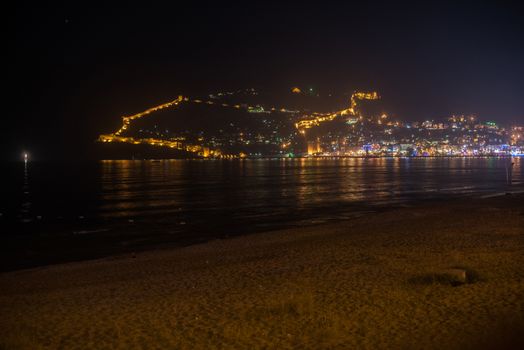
(77, 66)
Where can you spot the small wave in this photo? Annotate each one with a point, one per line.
(84, 232)
(459, 188)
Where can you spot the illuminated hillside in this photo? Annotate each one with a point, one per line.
(220, 127)
(247, 123)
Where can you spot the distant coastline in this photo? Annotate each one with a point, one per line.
(122, 150)
(320, 157)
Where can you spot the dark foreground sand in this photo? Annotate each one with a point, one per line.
(375, 282)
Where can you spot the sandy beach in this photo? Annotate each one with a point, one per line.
(382, 281)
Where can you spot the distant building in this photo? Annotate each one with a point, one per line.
(313, 147)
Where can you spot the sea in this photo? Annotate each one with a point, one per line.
(53, 212)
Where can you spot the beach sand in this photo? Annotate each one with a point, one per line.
(381, 281)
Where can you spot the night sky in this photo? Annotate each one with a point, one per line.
(77, 66)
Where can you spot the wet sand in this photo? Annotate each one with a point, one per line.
(380, 281)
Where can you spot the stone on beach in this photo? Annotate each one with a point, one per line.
(456, 275)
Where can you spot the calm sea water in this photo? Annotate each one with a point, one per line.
(133, 203)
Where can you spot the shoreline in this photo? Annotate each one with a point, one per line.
(361, 283)
(60, 245)
(103, 159)
(57, 245)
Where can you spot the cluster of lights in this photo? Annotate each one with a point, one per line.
(127, 120)
(321, 117)
(196, 149)
(315, 119)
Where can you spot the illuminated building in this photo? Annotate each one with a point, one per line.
(313, 147)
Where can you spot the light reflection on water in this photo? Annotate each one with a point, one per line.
(268, 187)
(235, 193)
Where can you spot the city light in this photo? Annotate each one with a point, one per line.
(368, 135)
